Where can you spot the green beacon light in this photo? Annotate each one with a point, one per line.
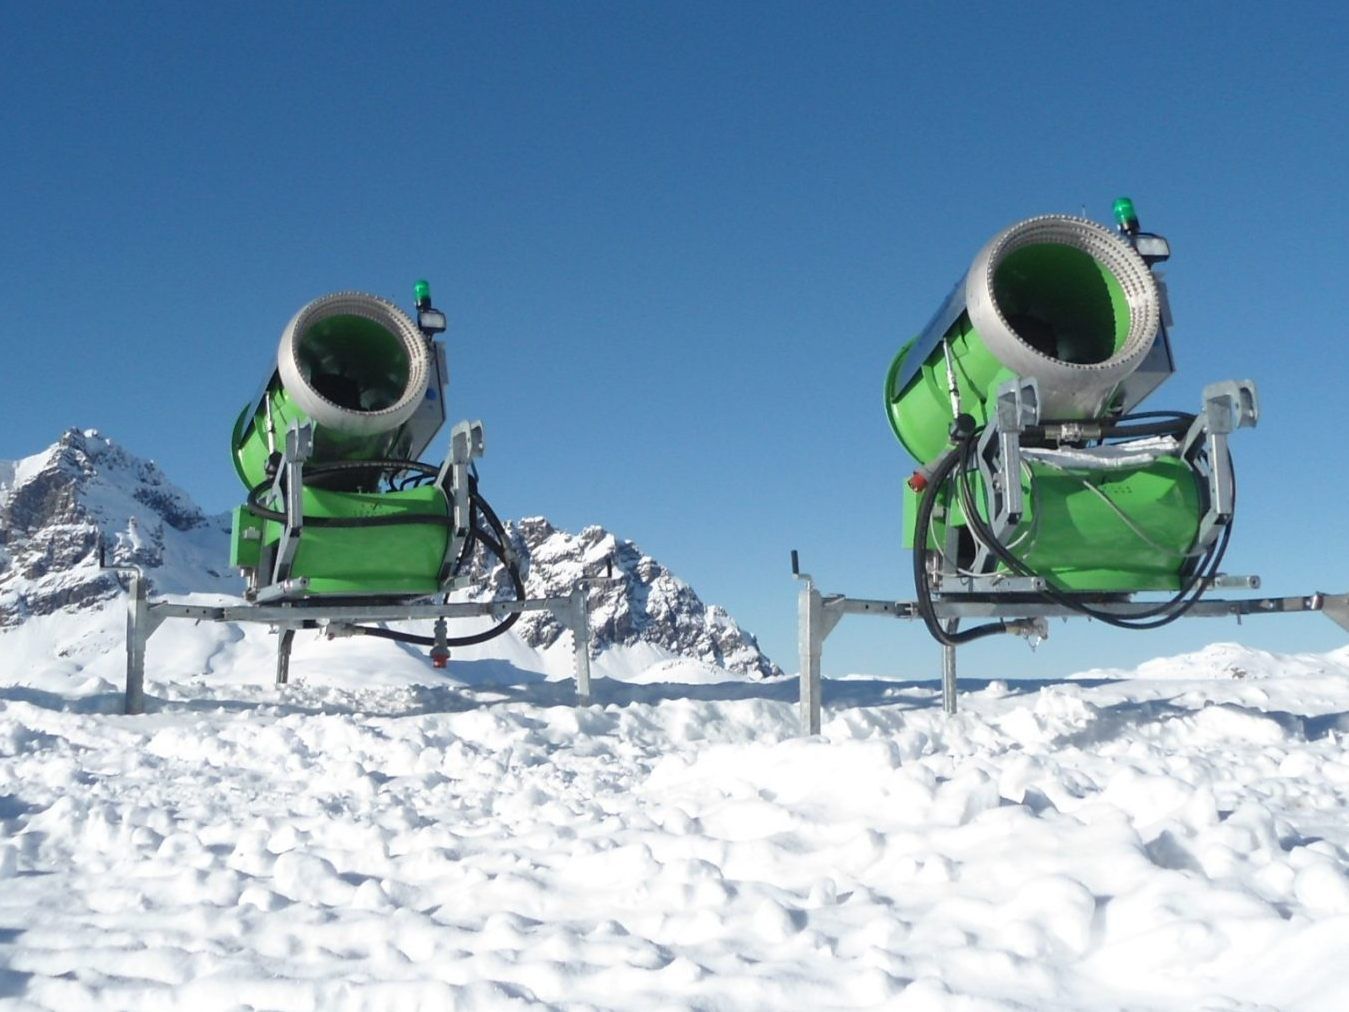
(1125, 216)
(431, 321)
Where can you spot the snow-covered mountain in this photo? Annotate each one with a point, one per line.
(642, 602)
(55, 505)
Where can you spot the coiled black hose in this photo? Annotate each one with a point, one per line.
(923, 526)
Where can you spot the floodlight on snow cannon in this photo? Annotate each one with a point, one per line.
(345, 527)
(1039, 489)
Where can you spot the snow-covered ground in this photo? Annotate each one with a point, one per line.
(379, 835)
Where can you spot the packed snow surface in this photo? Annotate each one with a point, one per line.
(379, 835)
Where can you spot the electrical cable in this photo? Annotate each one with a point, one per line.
(495, 545)
(923, 526)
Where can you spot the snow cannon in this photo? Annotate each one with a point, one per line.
(1037, 480)
(345, 530)
(338, 502)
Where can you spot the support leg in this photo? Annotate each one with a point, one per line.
(1336, 607)
(138, 629)
(580, 643)
(948, 671)
(283, 644)
(810, 635)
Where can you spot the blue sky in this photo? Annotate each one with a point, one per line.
(679, 245)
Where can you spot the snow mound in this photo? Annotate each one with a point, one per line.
(1230, 661)
(379, 836)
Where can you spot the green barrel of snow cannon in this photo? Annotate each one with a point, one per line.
(369, 382)
(1072, 305)
(360, 370)
(1056, 298)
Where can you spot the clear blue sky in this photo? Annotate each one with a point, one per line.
(679, 245)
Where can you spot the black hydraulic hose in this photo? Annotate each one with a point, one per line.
(393, 634)
(497, 546)
(393, 465)
(256, 507)
(922, 527)
(472, 638)
(1134, 430)
(465, 551)
(493, 520)
(470, 544)
(958, 467)
(1178, 417)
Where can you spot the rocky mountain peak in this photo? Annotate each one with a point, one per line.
(57, 505)
(633, 600)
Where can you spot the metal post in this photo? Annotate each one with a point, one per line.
(948, 670)
(810, 615)
(138, 631)
(1336, 607)
(283, 644)
(580, 642)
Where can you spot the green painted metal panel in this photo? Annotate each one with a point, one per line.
(250, 450)
(1117, 530)
(245, 539)
(401, 559)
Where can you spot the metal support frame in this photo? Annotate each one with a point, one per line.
(466, 444)
(819, 613)
(999, 459)
(144, 616)
(285, 640)
(299, 448)
(1228, 406)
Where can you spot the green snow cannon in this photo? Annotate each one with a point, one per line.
(1036, 478)
(338, 502)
